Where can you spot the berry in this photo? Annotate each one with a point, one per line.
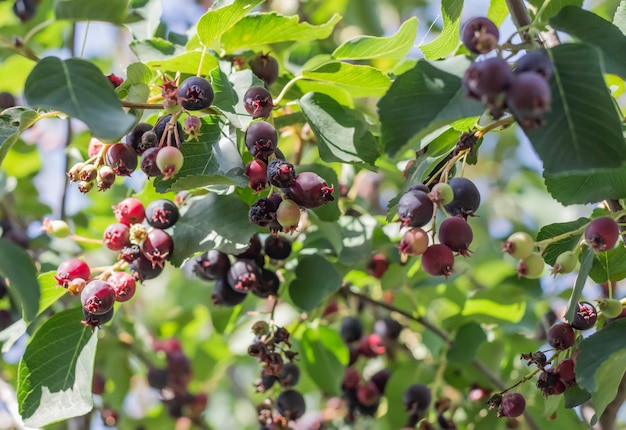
(309, 190)
(565, 263)
(480, 35)
(280, 173)
(415, 209)
(377, 266)
(211, 265)
(7, 100)
(142, 268)
(123, 284)
(253, 251)
(169, 160)
(416, 397)
(535, 61)
(371, 345)
(117, 236)
(148, 163)
(585, 316)
(565, 370)
(195, 93)
(512, 406)
(289, 375)
(531, 267)
(561, 336)
(265, 382)
(263, 211)
(106, 178)
(97, 383)
(466, 198)
(368, 394)
(256, 170)
(265, 67)
(611, 308)
(457, 234)
(290, 404)
(261, 139)
(98, 297)
(94, 147)
(258, 102)
(130, 253)
(486, 80)
(244, 275)
(122, 159)
(162, 213)
(351, 329)
(193, 124)
(224, 295)
(158, 247)
(115, 80)
(25, 9)
(157, 378)
(550, 383)
(380, 379)
(135, 138)
(173, 135)
(388, 328)
(269, 284)
(277, 247)
(438, 260)
(529, 97)
(71, 269)
(351, 379)
(442, 193)
(602, 233)
(519, 245)
(288, 215)
(94, 320)
(414, 242)
(129, 211)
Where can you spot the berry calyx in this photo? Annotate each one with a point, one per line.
(561, 336)
(195, 93)
(98, 297)
(519, 245)
(438, 260)
(162, 213)
(480, 35)
(142, 268)
(602, 233)
(585, 316)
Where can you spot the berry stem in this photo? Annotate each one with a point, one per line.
(83, 239)
(286, 88)
(128, 104)
(503, 123)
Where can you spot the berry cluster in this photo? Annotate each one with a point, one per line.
(459, 198)
(524, 90)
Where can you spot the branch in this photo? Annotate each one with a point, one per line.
(520, 15)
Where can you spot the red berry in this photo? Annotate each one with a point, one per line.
(351, 379)
(309, 190)
(529, 97)
(565, 370)
(122, 159)
(257, 175)
(158, 247)
(378, 265)
(129, 211)
(124, 285)
(117, 236)
(457, 234)
(561, 336)
(368, 394)
(71, 269)
(602, 233)
(438, 260)
(512, 406)
(98, 297)
(371, 345)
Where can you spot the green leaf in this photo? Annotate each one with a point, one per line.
(356, 233)
(358, 80)
(609, 265)
(590, 187)
(187, 62)
(12, 334)
(498, 11)
(55, 373)
(506, 303)
(267, 28)
(325, 357)
(466, 343)
(18, 267)
(594, 30)
(316, 278)
(50, 291)
(583, 131)
(212, 222)
(210, 160)
(553, 7)
(448, 41)
(609, 377)
(619, 19)
(230, 87)
(575, 396)
(366, 47)
(214, 23)
(342, 133)
(155, 49)
(555, 249)
(585, 266)
(13, 122)
(114, 11)
(78, 88)
(423, 99)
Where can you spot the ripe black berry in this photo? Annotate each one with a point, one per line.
(290, 404)
(602, 233)
(416, 397)
(415, 209)
(438, 260)
(94, 320)
(585, 316)
(157, 378)
(211, 265)
(535, 61)
(134, 138)
(561, 336)
(258, 102)
(7, 100)
(457, 234)
(142, 268)
(529, 97)
(261, 139)
(98, 297)
(466, 198)
(309, 190)
(265, 67)
(122, 159)
(289, 375)
(388, 328)
(380, 379)
(277, 247)
(351, 329)
(512, 405)
(224, 295)
(158, 247)
(253, 251)
(485, 80)
(148, 163)
(162, 213)
(263, 211)
(280, 173)
(25, 9)
(162, 126)
(268, 286)
(480, 35)
(244, 275)
(195, 93)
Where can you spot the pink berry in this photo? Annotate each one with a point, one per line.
(117, 236)
(124, 285)
(71, 269)
(129, 211)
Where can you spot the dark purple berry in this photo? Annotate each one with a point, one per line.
(290, 404)
(280, 173)
(148, 163)
(134, 138)
(122, 159)
(224, 295)
(157, 378)
(512, 405)
(262, 212)
(70, 269)
(129, 211)
(269, 284)
(415, 209)
(258, 102)
(277, 247)
(351, 329)
(585, 316)
(466, 198)
(130, 253)
(166, 133)
(142, 269)
(480, 35)
(561, 336)
(158, 247)
(244, 275)
(124, 285)
(195, 93)
(309, 190)
(486, 79)
(93, 320)
(380, 379)
(25, 9)
(265, 67)
(98, 297)
(419, 187)
(416, 397)
(535, 61)
(261, 139)
(456, 234)
(162, 213)
(254, 247)
(438, 260)
(6, 100)
(265, 382)
(211, 265)
(256, 170)
(388, 328)
(602, 233)
(289, 375)
(529, 97)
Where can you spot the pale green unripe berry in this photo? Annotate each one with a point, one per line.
(519, 245)
(531, 267)
(442, 193)
(611, 308)
(565, 263)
